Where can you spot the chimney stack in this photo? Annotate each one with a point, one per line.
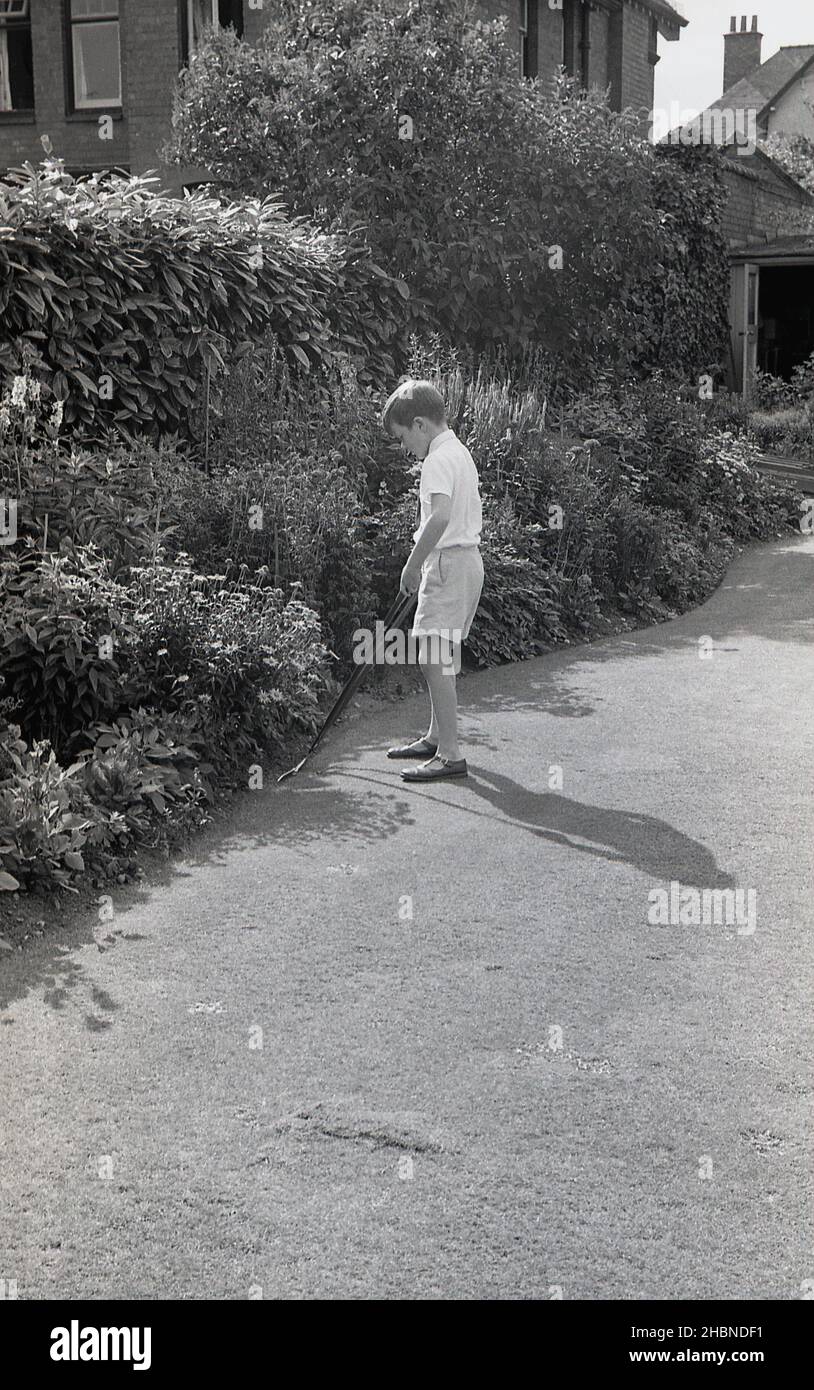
(741, 51)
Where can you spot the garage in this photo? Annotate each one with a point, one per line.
(772, 308)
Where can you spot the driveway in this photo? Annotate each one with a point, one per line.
(371, 1040)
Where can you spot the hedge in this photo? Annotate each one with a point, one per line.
(129, 296)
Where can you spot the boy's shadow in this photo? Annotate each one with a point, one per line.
(645, 842)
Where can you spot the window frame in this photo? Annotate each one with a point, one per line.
(568, 45)
(185, 20)
(89, 110)
(185, 51)
(576, 39)
(529, 39)
(11, 21)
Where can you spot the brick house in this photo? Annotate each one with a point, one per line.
(97, 76)
(610, 44)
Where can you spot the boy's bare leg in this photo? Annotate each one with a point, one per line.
(438, 669)
(431, 735)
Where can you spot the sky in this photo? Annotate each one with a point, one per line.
(691, 69)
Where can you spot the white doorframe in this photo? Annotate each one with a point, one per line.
(745, 317)
(752, 320)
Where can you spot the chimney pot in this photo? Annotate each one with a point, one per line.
(733, 25)
(743, 23)
(754, 23)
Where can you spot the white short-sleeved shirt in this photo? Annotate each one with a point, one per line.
(450, 468)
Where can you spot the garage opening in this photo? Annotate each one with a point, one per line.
(786, 318)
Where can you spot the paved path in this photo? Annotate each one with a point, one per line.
(524, 1089)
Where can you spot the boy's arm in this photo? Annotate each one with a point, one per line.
(428, 539)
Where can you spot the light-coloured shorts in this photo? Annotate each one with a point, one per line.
(449, 592)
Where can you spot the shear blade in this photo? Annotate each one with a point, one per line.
(291, 771)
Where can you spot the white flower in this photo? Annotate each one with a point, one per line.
(56, 414)
(5, 418)
(34, 388)
(18, 389)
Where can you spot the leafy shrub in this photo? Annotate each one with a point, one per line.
(690, 566)
(76, 647)
(795, 153)
(788, 432)
(662, 565)
(518, 615)
(781, 413)
(252, 664)
(134, 297)
(607, 411)
(387, 537)
(43, 820)
(769, 392)
(802, 381)
(284, 488)
(69, 497)
(505, 429)
(63, 637)
(137, 767)
(638, 535)
(296, 519)
(233, 668)
(578, 602)
(727, 410)
(743, 502)
(675, 316)
(261, 411)
(641, 440)
(505, 171)
(136, 786)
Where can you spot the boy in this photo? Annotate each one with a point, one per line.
(445, 566)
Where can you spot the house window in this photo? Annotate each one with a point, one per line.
(528, 38)
(16, 63)
(576, 18)
(568, 36)
(199, 17)
(94, 47)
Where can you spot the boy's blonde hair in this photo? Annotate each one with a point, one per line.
(413, 398)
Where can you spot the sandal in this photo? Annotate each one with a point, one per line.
(435, 769)
(419, 748)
